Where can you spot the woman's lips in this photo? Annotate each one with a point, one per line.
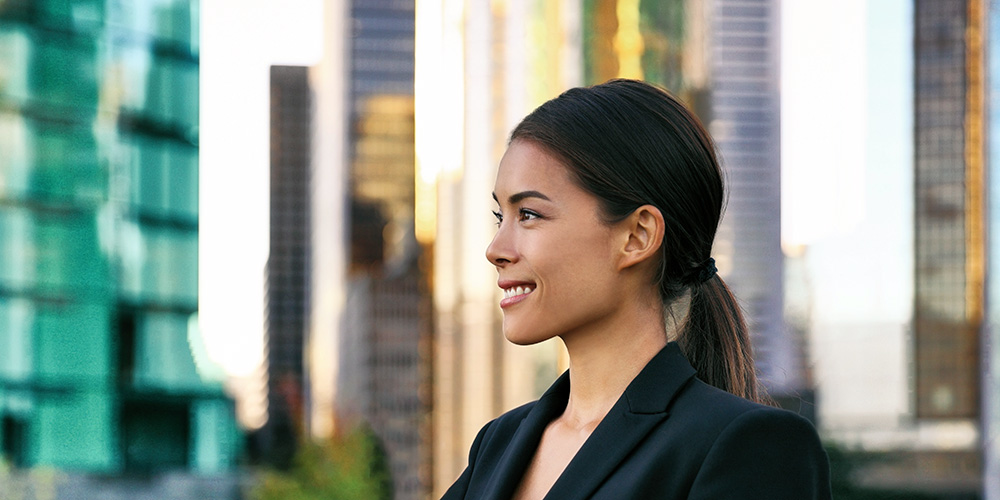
(514, 292)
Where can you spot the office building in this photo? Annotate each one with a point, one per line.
(383, 362)
(102, 366)
(744, 118)
(949, 203)
(286, 282)
(949, 231)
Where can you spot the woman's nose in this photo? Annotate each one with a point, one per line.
(500, 251)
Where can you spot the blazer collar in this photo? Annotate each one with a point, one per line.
(655, 386)
(643, 405)
(519, 452)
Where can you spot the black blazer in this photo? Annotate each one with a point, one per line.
(669, 436)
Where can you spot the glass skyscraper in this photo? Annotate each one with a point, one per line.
(384, 365)
(102, 367)
(286, 281)
(949, 184)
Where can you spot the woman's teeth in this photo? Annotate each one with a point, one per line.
(514, 292)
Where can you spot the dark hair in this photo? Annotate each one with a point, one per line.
(631, 144)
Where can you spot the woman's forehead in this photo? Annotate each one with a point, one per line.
(528, 167)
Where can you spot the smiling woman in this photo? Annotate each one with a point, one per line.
(551, 248)
(608, 201)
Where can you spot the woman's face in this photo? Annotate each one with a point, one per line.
(554, 255)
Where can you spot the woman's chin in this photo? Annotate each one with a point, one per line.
(520, 338)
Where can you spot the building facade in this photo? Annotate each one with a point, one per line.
(102, 367)
(286, 281)
(744, 117)
(384, 365)
(949, 202)
(949, 232)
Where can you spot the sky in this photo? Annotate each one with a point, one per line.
(240, 40)
(846, 153)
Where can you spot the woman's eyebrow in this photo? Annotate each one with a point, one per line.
(516, 197)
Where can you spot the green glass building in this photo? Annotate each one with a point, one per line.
(102, 368)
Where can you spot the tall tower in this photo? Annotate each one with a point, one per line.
(949, 224)
(744, 118)
(288, 260)
(949, 203)
(384, 364)
(102, 366)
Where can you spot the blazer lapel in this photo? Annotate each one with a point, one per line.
(640, 409)
(518, 454)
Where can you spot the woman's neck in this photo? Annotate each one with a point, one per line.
(603, 363)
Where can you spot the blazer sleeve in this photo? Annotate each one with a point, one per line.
(765, 453)
(459, 489)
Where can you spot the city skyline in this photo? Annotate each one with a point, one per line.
(846, 155)
(236, 244)
(288, 205)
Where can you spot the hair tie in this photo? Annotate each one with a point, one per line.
(706, 270)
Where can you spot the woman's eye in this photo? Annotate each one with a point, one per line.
(499, 217)
(526, 214)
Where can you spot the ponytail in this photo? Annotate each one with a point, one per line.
(716, 341)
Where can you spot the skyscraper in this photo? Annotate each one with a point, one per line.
(102, 367)
(288, 261)
(949, 203)
(950, 231)
(384, 363)
(744, 117)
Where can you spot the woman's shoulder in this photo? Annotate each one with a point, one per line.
(764, 451)
(709, 411)
(733, 444)
(720, 404)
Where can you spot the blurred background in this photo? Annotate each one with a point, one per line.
(242, 242)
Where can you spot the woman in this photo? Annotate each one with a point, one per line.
(609, 198)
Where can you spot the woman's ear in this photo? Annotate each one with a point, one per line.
(644, 229)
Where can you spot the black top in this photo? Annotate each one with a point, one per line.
(669, 436)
